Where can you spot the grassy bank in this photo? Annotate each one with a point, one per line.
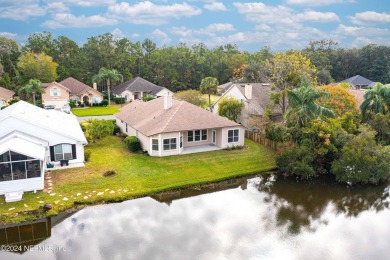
(137, 175)
(96, 111)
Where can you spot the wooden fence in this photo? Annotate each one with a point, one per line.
(259, 138)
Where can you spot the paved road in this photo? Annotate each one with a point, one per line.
(84, 118)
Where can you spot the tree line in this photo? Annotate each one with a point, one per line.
(178, 67)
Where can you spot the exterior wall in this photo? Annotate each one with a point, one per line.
(234, 92)
(91, 94)
(11, 124)
(131, 95)
(196, 143)
(31, 184)
(4, 102)
(224, 137)
(58, 101)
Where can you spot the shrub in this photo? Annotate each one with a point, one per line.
(133, 144)
(72, 103)
(97, 129)
(82, 125)
(87, 155)
(192, 96)
(230, 108)
(297, 161)
(147, 98)
(104, 103)
(119, 100)
(109, 173)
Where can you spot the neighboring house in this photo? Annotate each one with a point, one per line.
(5, 96)
(167, 126)
(31, 138)
(137, 88)
(81, 92)
(55, 94)
(359, 82)
(359, 95)
(256, 98)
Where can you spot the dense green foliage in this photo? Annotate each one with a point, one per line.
(376, 100)
(36, 66)
(31, 89)
(147, 98)
(209, 86)
(191, 96)
(231, 108)
(109, 76)
(98, 128)
(133, 144)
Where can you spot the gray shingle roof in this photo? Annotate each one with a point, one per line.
(358, 80)
(137, 84)
(151, 118)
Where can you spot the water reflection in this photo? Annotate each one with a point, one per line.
(300, 203)
(264, 218)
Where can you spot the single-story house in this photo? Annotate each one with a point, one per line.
(137, 88)
(30, 139)
(81, 92)
(5, 96)
(55, 94)
(359, 82)
(256, 98)
(167, 126)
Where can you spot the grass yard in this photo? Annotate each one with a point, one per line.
(96, 111)
(137, 175)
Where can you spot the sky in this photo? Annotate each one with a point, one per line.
(252, 25)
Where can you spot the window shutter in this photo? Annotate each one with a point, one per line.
(74, 155)
(52, 158)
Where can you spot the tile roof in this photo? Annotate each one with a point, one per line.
(76, 87)
(137, 84)
(151, 118)
(45, 85)
(6, 93)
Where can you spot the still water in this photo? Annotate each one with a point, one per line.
(260, 218)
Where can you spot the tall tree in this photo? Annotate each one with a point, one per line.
(340, 100)
(209, 86)
(288, 71)
(376, 100)
(231, 108)
(40, 42)
(303, 107)
(37, 66)
(68, 55)
(31, 89)
(110, 76)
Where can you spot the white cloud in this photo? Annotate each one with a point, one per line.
(370, 17)
(57, 7)
(135, 35)
(118, 34)
(318, 2)
(263, 27)
(317, 17)
(8, 34)
(211, 30)
(215, 6)
(149, 13)
(66, 20)
(85, 2)
(22, 12)
(160, 36)
(219, 27)
(357, 31)
(261, 13)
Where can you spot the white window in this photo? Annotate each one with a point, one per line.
(96, 100)
(197, 135)
(169, 144)
(155, 144)
(63, 152)
(55, 92)
(233, 135)
(75, 98)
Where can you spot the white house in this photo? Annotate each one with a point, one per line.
(31, 138)
(137, 88)
(167, 126)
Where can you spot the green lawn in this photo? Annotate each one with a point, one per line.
(137, 175)
(96, 111)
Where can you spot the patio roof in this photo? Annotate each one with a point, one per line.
(24, 147)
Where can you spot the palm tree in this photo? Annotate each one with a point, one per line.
(33, 87)
(110, 76)
(376, 100)
(209, 86)
(303, 107)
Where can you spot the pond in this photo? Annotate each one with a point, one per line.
(263, 217)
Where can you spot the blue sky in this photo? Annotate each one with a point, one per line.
(280, 24)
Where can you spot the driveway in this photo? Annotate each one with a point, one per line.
(84, 118)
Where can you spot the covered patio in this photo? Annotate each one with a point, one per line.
(200, 148)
